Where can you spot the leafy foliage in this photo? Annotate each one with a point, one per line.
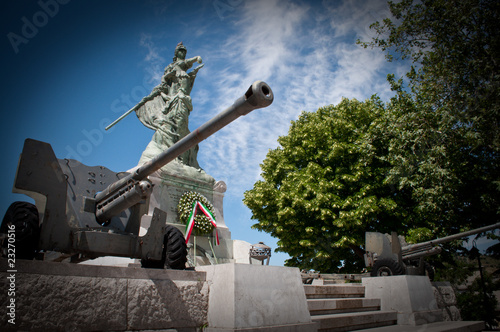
(356, 167)
(448, 121)
(479, 301)
(426, 164)
(324, 186)
(456, 271)
(447, 187)
(475, 296)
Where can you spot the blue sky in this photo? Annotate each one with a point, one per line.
(71, 67)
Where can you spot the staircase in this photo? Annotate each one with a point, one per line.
(343, 307)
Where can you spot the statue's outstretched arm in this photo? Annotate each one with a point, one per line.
(190, 61)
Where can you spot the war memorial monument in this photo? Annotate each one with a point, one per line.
(166, 215)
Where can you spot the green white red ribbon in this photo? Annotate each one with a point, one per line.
(192, 215)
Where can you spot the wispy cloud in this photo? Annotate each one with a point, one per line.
(307, 54)
(355, 17)
(154, 61)
(309, 58)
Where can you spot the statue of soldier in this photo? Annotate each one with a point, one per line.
(166, 110)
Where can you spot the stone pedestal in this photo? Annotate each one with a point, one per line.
(51, 296)
(167, 191)
(411, 296)
(246, 297)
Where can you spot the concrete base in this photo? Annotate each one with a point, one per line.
(412, 297)
(256, 298)
(70, 297)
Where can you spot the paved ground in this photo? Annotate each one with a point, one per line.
(434, 327)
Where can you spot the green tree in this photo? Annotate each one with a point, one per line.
(454, 45)
(451, 163)
(324, 186)
(479, 301)
(438, 181)
(449, 152)
(424, 165)
(356, 167)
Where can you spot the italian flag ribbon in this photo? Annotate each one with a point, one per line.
(192, 215)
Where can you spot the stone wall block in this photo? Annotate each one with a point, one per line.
(446, 300)
(160, 304)
(61, 303)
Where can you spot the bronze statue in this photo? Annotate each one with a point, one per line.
(166, 111)
(170, 120)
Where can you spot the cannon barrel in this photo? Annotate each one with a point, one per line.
(259, 95)
(426, 245)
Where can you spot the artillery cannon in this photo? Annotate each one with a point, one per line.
(87, 212)
(386, 256)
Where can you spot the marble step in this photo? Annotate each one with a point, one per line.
(334, 291)
(337, 306)
(354, 321)
(455, 326)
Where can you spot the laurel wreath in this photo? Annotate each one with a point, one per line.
(202, 224)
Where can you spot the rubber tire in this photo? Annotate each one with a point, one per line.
(389, 266)
(174, 249)
(24, 216)
(174, 255)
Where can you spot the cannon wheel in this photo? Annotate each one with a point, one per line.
(386, 267)
(174, 255)
(24, 216)
(174, 249)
